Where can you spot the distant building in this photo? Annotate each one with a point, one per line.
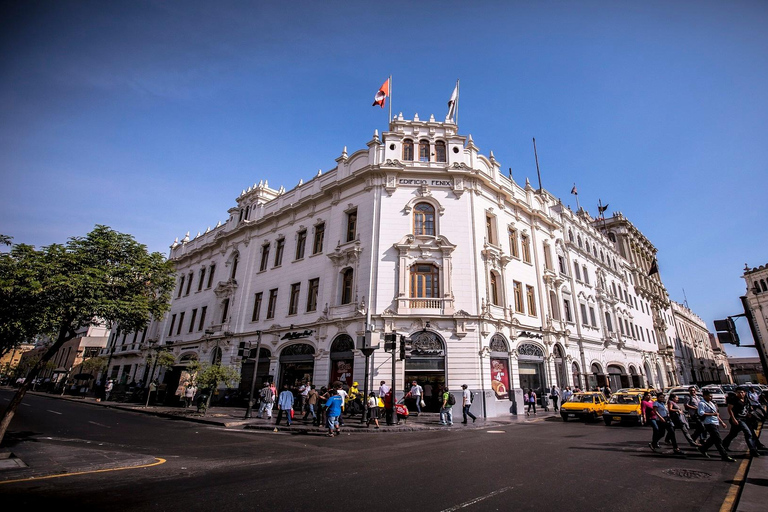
(11, 360)
(747, 369)
(723, 367)
(756, 300)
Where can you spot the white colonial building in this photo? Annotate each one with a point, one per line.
(493, 284)
(756, 305)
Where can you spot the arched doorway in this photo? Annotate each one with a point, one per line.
(175, 380)
(649, 375)
(597, 378)
(426, 366)
(499, 362)
(635, 378)
(262, 374)
(530, 364)
(617, 379)
(297, 364)
(560, 376)
(576, 376)
(342, 359)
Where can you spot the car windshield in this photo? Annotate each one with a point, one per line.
(624, 399)
(714, 389)
(585, 399)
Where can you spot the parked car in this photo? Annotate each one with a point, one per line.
(718, 395)
(728, 388)
(623, 408)
(588, 405)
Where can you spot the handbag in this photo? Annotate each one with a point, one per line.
(422, 403)
(291, 413)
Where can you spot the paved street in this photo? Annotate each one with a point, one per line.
(540, 464)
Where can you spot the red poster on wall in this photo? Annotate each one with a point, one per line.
(341, 370)
(500, 377)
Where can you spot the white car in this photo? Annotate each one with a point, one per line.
(718, 395)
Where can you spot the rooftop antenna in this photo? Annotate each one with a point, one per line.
(536, 155)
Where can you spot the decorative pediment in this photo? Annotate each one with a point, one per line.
(225, 288)
(346, 255)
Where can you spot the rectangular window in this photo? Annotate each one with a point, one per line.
(272, 303)
(210, 275)
(201, 281)
(317, 245)
(513, 250)
(351, 225)
(621, 325)
(264, 258)
(586, 274)
(592, 316)
(567, 310)
(640, 330)
(279, 247)
(202, 318)
(526, 248)
(314, 285)
(531, 300)
(224, 310)
(547, 258)
(608, 322)
(293, 305)
(173, 322)
(563, 268)
(584, 317)
(192, 320)
(518, 289)
(490, 229)
(189, 283)
(256, 306)
(576, 271)
(181, 322)
(181, 286)
(301, 242)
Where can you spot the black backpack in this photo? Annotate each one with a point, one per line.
(451, 399)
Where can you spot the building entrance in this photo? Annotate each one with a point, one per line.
(426, 366)
(531, 369)
(297, 364)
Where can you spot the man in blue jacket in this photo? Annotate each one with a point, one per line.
(285, 405)
(333, 411)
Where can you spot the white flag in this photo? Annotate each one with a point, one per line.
(452, 102)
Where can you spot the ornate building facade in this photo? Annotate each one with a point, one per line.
(492, 283)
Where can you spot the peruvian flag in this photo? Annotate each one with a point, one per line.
(381, 95)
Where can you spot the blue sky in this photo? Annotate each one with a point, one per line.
(151, 117)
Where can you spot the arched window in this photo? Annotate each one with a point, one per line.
(762, 285)
(235, 260)
(495, 299)
(612, 237)
(575, 373)
(570, 235)
(425, 281)
(408, 150)
(347, 279)
(578, 240)
(423, 150)
(424, 219)
(440, 151)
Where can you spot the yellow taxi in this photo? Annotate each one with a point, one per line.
(624, 407)
(587, 405)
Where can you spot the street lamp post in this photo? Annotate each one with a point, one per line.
(249, 411)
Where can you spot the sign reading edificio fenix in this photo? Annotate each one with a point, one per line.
(433, 183)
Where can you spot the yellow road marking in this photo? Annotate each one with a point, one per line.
(31, 479)
(731, 499)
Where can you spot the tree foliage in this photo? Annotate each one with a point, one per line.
(209, 376)
(55, 291)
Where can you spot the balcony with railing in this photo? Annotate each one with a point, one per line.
(415, 305)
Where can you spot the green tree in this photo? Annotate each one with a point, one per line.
(93, 365)
(209, 376)
(54, 291)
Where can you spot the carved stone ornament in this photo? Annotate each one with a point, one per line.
(530, 350)
(425, 343)
(298, 349)
(225, 288)
(498, 343)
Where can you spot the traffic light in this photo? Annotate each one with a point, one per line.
(402, 348)
(726, 331)
(390, 342)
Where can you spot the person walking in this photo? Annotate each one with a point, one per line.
(554, 395)
(312, 398)
(417, 394)
(344, 399)
(711, 420)
(662, 424)
(446, 407)
(267, 401)
(285, 405)
(373, 410)
(383, 389)
(677, 417)
(739, 412)
(566, 395)
(466, 404)
(303, 394)
(691, 407)
(189, 395)
(108, 389)
(333, 408)
(531, 399)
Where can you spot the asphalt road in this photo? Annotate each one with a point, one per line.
(539, 465)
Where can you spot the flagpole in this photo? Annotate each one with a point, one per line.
(601, 211)
(578, 206)
(458, 94)
(536, 155)
(390, 102)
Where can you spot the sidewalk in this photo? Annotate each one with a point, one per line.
(754, 493)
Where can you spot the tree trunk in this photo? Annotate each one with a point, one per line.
(65, 334)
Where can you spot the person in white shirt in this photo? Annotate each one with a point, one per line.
(383, 389)
(466, 403)
(416, 392)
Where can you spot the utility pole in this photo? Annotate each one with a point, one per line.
(249, 411)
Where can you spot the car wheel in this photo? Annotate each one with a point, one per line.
(564, 416)
(607, 420)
